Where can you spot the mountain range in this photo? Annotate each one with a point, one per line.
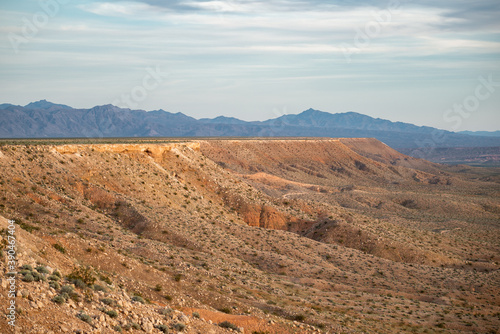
(44, 119)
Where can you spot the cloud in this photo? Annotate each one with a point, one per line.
(277, 48)
(120, 9)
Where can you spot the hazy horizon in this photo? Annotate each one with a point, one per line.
(431, 63)
(230, 116)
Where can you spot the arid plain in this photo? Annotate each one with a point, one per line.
(256, 236)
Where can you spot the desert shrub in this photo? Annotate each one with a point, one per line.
(138, 299)
(79, 284)
(25, 272)
(177, 277)
(54, 284)
(56, 273)
(195, 315)
(98, 287)
(158, 287)
(59, 299)
(28, 227)
(179, 326)
(105, 279)
(28, 277)
(230, 325)
(166, 311)
(82, 273)
(135, 326)
(67, 289)
(225, 310)
(37, 276)
(435, 180)
(42, 270)
(409, 203)
(112, 313)
(299, 317)
(75, 296)
(59, 247)
(117, 328)
(361, 166)
(85, 317)
(53, 278)
(163, 328)
(107, 301)
(27, 267)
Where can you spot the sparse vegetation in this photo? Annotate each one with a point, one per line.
(59, 247)
(373, 246)
(82, 276)
(227, 324)
(84, 317)
(138, 299)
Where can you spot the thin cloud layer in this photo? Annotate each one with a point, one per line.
(406, 60)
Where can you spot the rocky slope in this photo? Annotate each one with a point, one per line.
(263, 236)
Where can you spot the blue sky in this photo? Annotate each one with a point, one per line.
(410, 61)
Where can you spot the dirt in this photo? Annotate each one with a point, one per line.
(277, 236)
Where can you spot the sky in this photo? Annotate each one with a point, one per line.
(434, 63)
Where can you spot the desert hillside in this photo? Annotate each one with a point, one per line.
(253, 236)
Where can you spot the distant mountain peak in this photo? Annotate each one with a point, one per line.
(312, 111)
(44, 104)
(46, 119)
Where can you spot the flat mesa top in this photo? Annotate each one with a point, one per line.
(151, 140)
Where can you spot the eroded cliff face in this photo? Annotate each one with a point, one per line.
(157, 151)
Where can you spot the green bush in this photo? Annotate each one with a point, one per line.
(166, 311)
(66, 289)
(163, 328)
(42, 270)
(108, 301)
(53, 278)
(37, 276)
(59, 299)
(79, 283)
(179, 326)
(299, 317)
(27, 267)
(28, 277)
(60, 248)
(225, 310)
(85, 317)
(138, 299)
(227, 324)
(195, 315)
(98, 287)
(112, 313)
(54, 284)
(105, 279)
